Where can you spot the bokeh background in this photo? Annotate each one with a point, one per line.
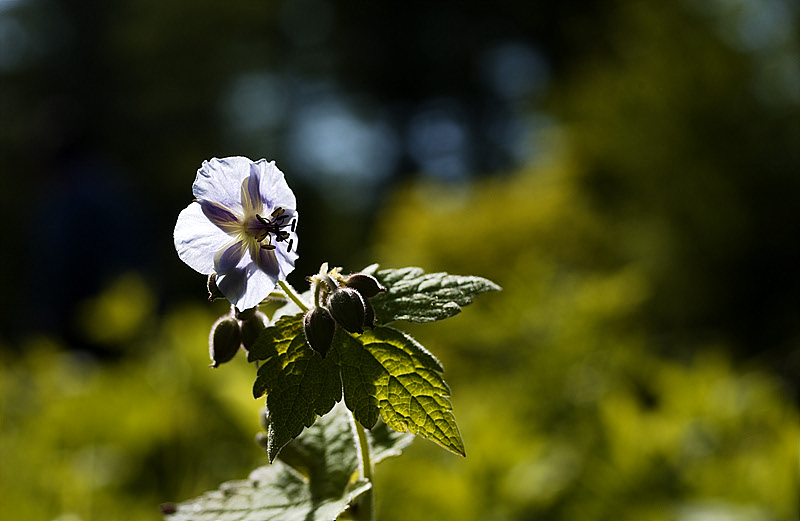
(628, 171)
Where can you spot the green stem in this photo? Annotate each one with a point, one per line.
(292, 294)
(366, 508)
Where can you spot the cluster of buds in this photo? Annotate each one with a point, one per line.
(232, 331)
(341, 301)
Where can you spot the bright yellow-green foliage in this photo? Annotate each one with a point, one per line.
(101, 442)
(566, 407)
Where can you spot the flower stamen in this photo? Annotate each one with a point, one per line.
(273, 227)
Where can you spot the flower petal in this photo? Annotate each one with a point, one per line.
(274, 190)
(259, 286)
(246, 287)
(221, 216)
(220, 181)
(286, 259)
(251, 195)
(266, 260)
(233, 284)
(229, 257)
(197, 240)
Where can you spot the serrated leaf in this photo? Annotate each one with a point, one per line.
(275, 339)
(273, 492)
(387, 443)
(416, 296)
(310, 481)
(386, 372)
(299, 384)
(327, 451)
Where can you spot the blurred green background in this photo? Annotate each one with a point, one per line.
(628, 171)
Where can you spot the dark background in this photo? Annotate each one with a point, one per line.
(109, 108)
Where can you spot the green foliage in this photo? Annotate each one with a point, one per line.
(417, 296)
(386, 371)
(299, 384)
(313, 479)
(84, 440)
(382, 373)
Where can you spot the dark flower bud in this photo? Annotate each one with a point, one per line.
(369, 315)
(226, 337)
(252, 328)
(247, 314)
(319, 327)
(365, 284)
(348, 309)
(213, 291)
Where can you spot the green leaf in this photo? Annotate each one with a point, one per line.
(387, 443)
(310, 481)
(326, 453)
(416, 296)
(299, 384)
(386, 372)
(383, 373)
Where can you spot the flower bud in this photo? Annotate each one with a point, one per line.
(252, 328)
(247, 314)
(348, 309)
(369, 315)
(365, 284)
(319, 327)
(226, 337)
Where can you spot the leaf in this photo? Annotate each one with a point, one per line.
(311, 481)
(387, 443)
(326, 453)
(416, 296)
(383, 373)
(299, 384)
(386, 372)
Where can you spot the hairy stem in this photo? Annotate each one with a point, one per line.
(292, 294)
(366, 507)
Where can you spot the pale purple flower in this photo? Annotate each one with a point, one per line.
(241, 227)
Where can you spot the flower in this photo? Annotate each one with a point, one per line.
(240, 227)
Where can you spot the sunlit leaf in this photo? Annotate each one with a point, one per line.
(383, 373)
(386, 372)
(387, 443)
(417, 296)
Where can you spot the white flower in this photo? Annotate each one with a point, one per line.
(241, 226)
